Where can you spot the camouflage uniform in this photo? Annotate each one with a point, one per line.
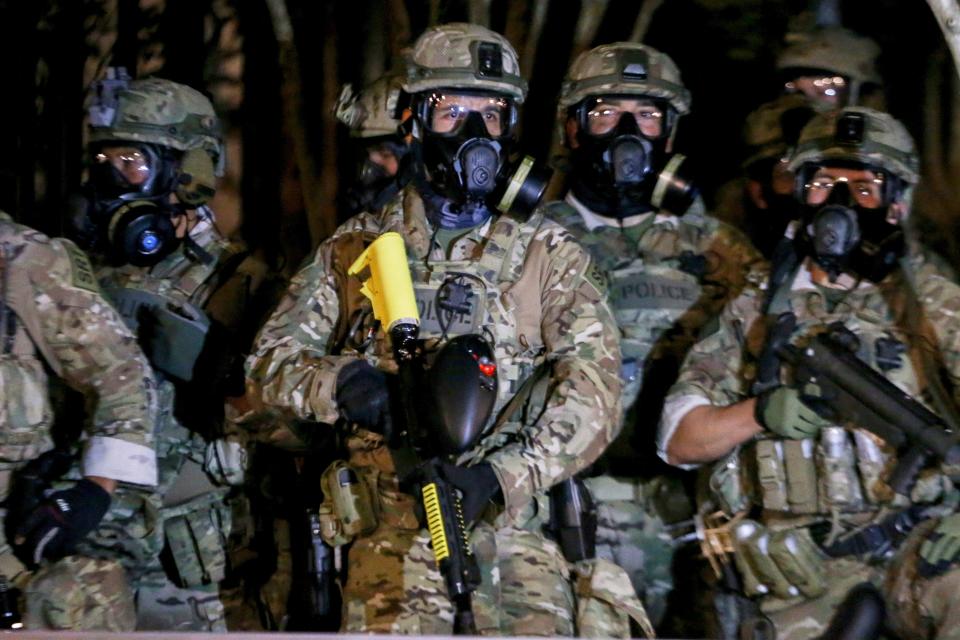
(538, 300)
(668, 276)
(799, 484)
(172, 540)
(54, 318)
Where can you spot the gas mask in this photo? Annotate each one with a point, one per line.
(467, 140)
(124, 211)
(843, 236)
(766, 224)
(623, 172)
(375, 185)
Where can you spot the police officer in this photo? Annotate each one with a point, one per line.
(155, 153)
(54, 320)
(814, 511)
(832, 67)
(530, 291)
(372, 116)
(761, 202)
(670, 269)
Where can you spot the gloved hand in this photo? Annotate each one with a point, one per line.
(363, 397)
(478, 485)
(941, 550)
(788, 412)
(55, 527)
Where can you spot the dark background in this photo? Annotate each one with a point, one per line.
(287, 156)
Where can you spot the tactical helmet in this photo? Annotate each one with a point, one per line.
(624, 68)
(858, 134)
(371, 112)
(464, 56)
(772, 129)
(833, 50)
(159, 112)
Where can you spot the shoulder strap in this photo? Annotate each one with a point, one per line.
(508, 230)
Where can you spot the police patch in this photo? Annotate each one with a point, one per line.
(81, 271)
(647, 291)
(433, 318)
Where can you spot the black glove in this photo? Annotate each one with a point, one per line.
(55, 527)
(478, 485)
(363, 396)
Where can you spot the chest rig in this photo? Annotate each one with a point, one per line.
(660, 293)
(185, 284)
(842, 470)
(26, 414)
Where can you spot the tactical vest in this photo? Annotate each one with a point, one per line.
(180, 281)
(842, 471)
(661, 296)
(26, 414)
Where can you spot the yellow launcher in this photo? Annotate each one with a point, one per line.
(389, 286)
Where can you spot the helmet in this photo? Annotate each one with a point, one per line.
(464, 56)
(149, 139)
(771, 130)
(858, 134)
(833, 50)
(372, 112)
(159, 112)
(625, 68)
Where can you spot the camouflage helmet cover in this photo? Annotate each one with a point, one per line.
(371, 113)
(464, 56)
(835, 50)
(624, 68)
(885, 143)
(772, 129)
(165, 113)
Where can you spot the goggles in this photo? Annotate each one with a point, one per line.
(602, 115)
(446, 114)
(119, 169)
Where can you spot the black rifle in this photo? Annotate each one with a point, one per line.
(418, 446)
(852, 392)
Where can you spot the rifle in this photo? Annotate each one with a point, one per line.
(464, 366)
(852, 392)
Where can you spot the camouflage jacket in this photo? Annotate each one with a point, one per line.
(52, 313)
(668, 277)
(183, 279)
(722, 367)
(540, 300)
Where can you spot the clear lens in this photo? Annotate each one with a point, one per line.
(828, 89)
(604, 116)
(131, 166)
(865, 186)
(447, 113)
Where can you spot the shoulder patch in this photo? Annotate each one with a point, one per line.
(81, 271)
(596, 277)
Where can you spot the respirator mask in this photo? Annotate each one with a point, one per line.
(124, 210)
(621, 166)
(466, 151)
(848, 232)
(376, 185)
(140, 179)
